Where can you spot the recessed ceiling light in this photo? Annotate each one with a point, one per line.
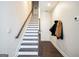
(49, 4)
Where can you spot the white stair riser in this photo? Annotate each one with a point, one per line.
(30, 41)
(35, 46)
(31, 34)
(34, 25)
(32, 28)
(28, 53)
(32, 31)
(30, 37)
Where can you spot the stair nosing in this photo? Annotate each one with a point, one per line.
(31, 35)
(27, 55)
(32, 29)
(28, 49)
(29, 43)
(34, 39)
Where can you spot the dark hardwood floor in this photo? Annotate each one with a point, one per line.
(46, 49)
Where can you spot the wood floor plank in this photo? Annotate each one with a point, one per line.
(47, 49)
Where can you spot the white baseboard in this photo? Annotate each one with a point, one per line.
(63, 53)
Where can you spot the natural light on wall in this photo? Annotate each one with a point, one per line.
(26, 3)
(58, 11)
(27, 6)
(49, 4)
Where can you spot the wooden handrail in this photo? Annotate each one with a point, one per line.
(24, 24)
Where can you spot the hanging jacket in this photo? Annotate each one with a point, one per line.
(59, 30)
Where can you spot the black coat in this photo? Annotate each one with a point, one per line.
(53, 28)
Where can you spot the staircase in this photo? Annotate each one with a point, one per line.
(30, 42)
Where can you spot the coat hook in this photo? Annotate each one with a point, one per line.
(76, 19)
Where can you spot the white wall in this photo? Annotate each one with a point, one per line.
(12, 16)
(67, 11)
(45, 25)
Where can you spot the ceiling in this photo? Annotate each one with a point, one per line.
(47, 5)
